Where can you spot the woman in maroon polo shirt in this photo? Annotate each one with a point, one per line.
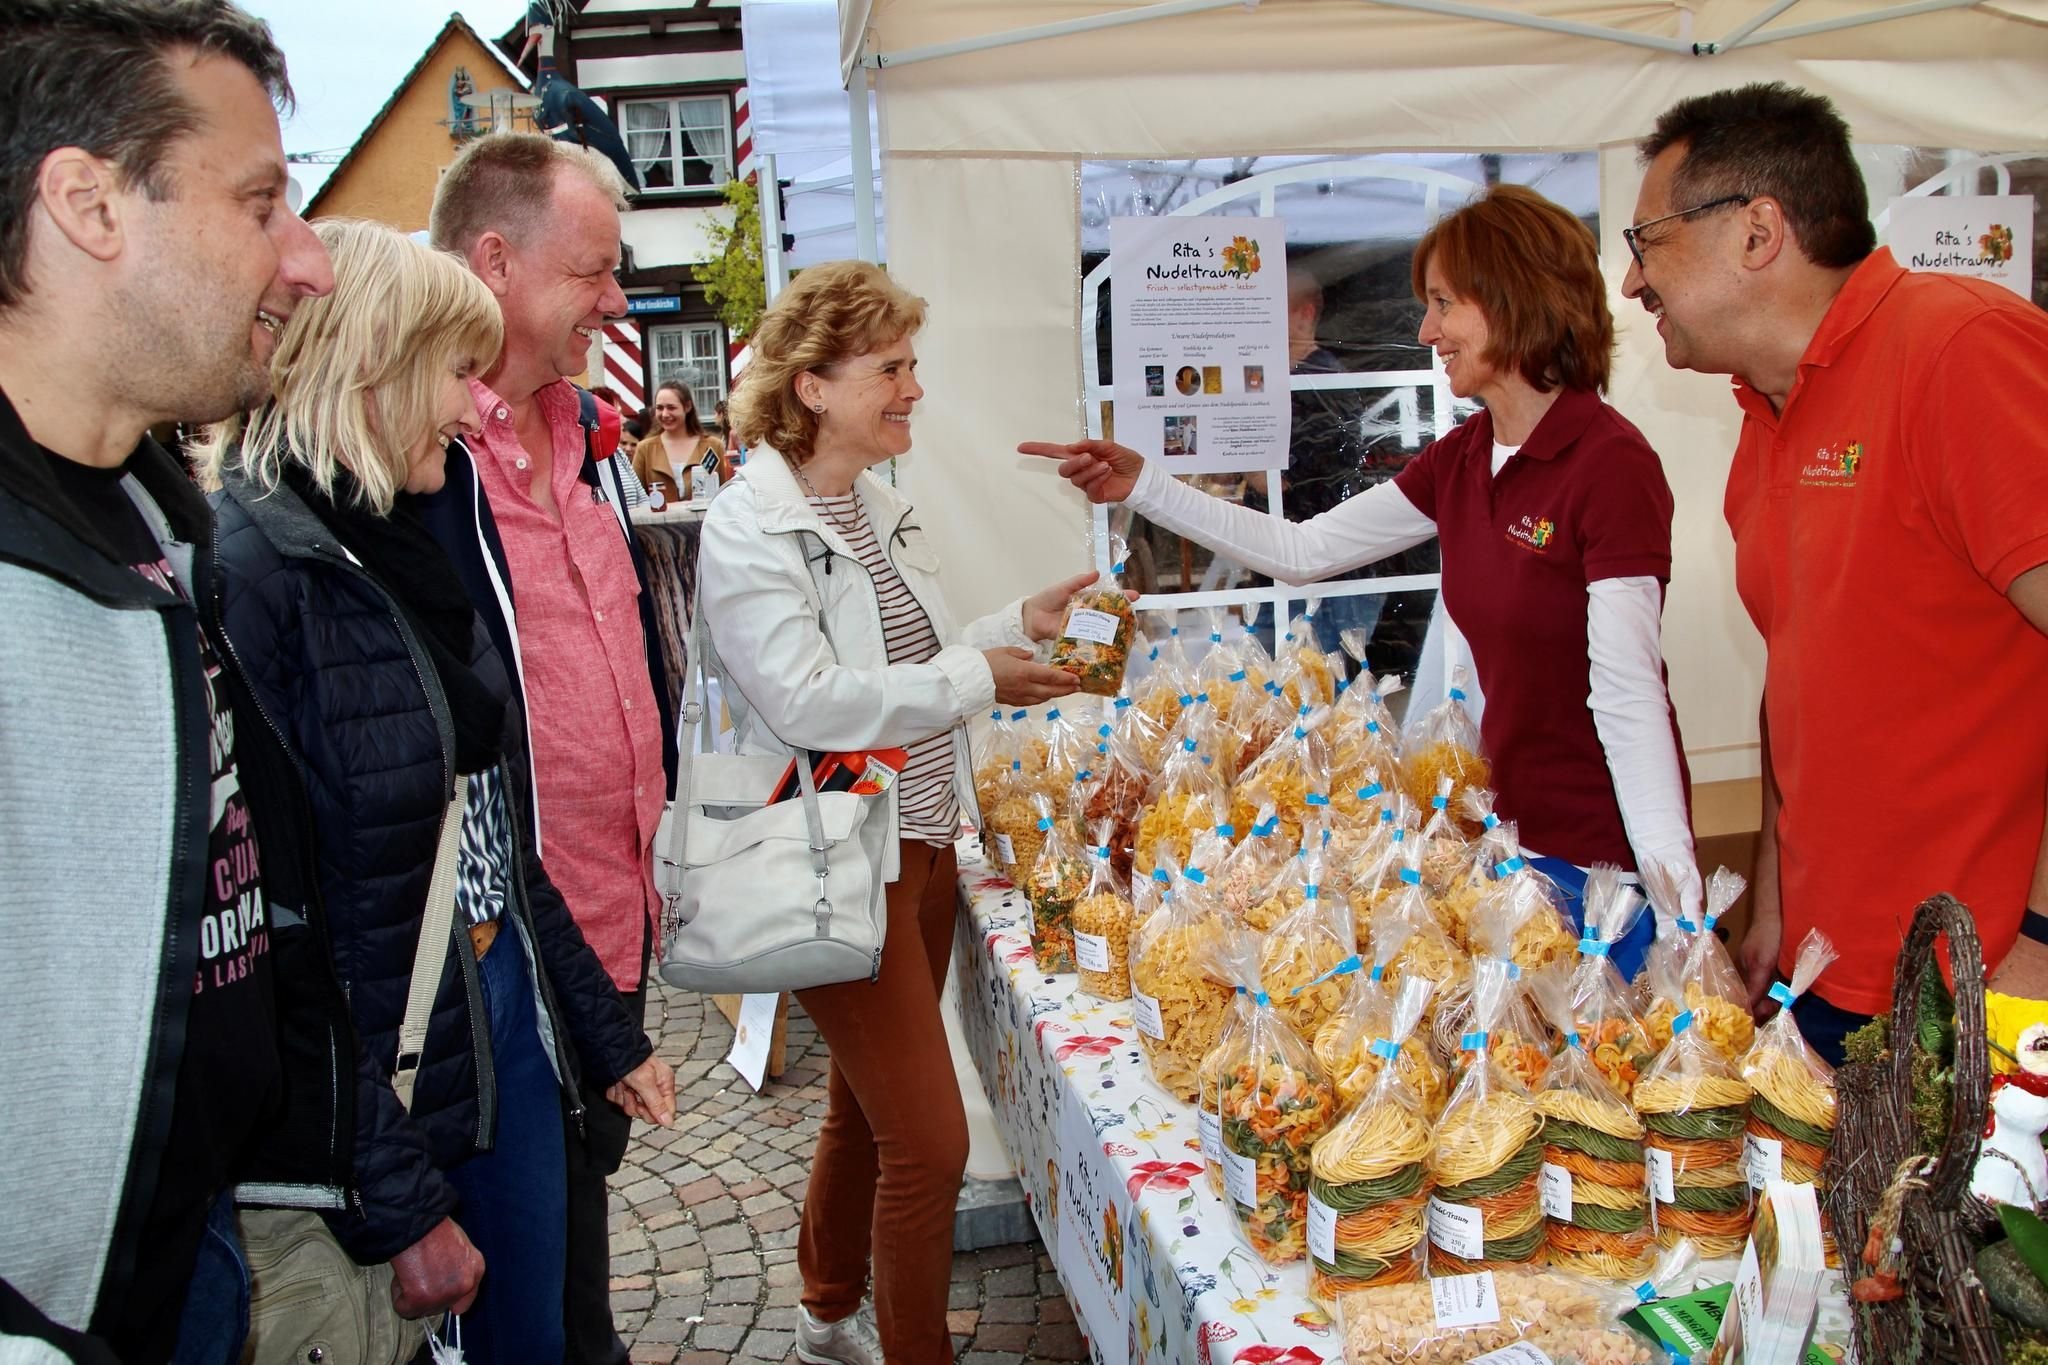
(1555, 523)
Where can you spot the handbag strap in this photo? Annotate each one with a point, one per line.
(436, 923)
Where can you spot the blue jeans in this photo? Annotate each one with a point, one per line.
(1627, 955)
(515, 1204)
(215, 1322)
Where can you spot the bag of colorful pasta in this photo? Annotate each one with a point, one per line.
(1443, 742)
(1592, 1179)
(1187, 800)
(1612, 1034)
(1487, 1212)
(1519, 1042)
(1096, 634)
(1293, 774)
(1792, 1110)
(1710, 987)
(1301, 957)
(1521, 916)
(1177, 1004)
(1275, 1103)
(1228, 1052)
(1102, 923)
(1117, 795)
(1369, 1176)
(1695, 1106)
(1056, 880)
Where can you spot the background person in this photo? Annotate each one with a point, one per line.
(1889, 500)
(823, 602)
(369, 660)
(678, 444)
(147, 257)
(1555, 522)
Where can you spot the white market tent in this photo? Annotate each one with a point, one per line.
(990, 110)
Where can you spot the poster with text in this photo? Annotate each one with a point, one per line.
(1198, 339)
(1988, 236)
(1094, 1214)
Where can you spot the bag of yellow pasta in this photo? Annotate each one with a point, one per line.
(1592, 1179)
(1094, 643)
(1710, 987)
(1068, 750)
(1448, 859)
(1293, 774)
(1252, 865)
(1792, 1112)
(1262, 719)
(1141, 735)
(1177, 1004)
(992, 758)
(1056, 880)
(1010, 823)
(1222, 673)
(1369, 1186)
(1301, 956)
(1518, 1315)
(1427, 951)
(1521, 916)
(1614, 1037)
(1187, 800)
(1315, 682)
(1102, 920)
(1167, 673)
(1487, 1211)
(1695, 1107)
(1344, 1043)
(1275, 1103)
(1443, 742)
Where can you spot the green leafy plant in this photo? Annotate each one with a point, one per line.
(2029, 1234)
(734, 279)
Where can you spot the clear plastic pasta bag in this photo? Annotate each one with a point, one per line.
(1262, 718)
(1139, 732)
(1369, 1186)
(1228, 1052)
(1168, 674)
(1056, 880)
(1316, 683)
(1443, 742)
(1102, 920)
(1068, 750)
(1711, 988)
(1302, 956)
(1117, 795)
(1695, 1108)
(993, 756)
(1258, 858)
(1793, 1109)
(1593, 1191)
(1374, 868)
(1293, 774)
(1344, 1044)
(1275, 1103)
(1178, 1005)
(1613, 1034)
(1519, 1043)
(1427, 952)
(1011, 823)
(1187, 800)
(1449, 856)
(1487, 1211)
(1098, 630)
(1222, 672)
(1449, 1322)
(1521, 917)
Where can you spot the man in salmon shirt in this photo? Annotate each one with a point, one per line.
(1889, 500)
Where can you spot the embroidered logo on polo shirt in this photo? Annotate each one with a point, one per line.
(1533, 534)
(1834, 466)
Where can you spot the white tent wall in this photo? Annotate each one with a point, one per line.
(981, 162)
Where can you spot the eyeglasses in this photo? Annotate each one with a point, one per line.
(1634, 235)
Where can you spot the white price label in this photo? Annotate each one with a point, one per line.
(1092, 952)
(1465, 1300)
(1764, 1159)
(1662, 1188)
(1097, 627)
(1212, 1136)
(1521, 1353)
(1322, 1231)
(1458, 1229)
(1147, 1011)
(1557, 1193)
(1240, 1179)
(1006, 852)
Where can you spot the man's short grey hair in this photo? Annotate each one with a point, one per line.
(503, 183)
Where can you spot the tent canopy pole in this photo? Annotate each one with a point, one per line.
(863, 159)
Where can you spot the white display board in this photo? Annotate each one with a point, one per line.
(1986, 236)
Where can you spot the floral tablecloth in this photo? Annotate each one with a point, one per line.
(1112, 1164)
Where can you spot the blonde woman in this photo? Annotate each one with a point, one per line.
(823, 601)
(677, 445)
(366, 658)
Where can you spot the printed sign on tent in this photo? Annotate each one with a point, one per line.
(1198, 341)
(1987, 236)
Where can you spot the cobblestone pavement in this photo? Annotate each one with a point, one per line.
(704, 1218)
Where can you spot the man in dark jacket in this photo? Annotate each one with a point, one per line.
(147, 260)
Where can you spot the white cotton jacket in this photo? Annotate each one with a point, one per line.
(796, 628)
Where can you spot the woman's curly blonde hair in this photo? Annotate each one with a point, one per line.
(830, 313)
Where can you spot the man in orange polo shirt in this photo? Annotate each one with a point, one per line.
(1889, 500)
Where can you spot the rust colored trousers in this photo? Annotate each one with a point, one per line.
(893, 1147)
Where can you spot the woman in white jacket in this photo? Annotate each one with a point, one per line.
(823, 603)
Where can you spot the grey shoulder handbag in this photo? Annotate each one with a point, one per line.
(762, 896)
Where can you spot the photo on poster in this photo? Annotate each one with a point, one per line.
(1255, 379)
(1155, 381)
(1180, 437)
(1212, 379)
(1188, 380)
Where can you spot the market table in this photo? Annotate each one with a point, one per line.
(1094, 1138)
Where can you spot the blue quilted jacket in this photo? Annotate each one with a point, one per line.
(354, 696)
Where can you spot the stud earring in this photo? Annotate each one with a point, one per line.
(818, 407)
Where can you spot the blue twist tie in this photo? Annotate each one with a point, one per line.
(1457, 694)
(1159, 875)
(1782, 993)
(1492, 821)
(1103, 729)
(1187, 746)
(1238, 676)
(1196, 875)
(1315, 799)
(1687, 925)
(1272, 687)
(1343, 686)
(996, 714)
(1227, 831)
(1083, 775)
(1593, 947)
(1215, 637)
(1572, 1040)
(1269, 829)
(1117, 567)
(1019, 715)
(1514, 970)
(1473, 1042)
(1045, 824)
(1646, 1292)
(1122, 702)
(1370, 790)
(1508, 868)
(1016, 765)
(1372, 727)
(1102, 851)
(1311, 892)
(1411, 876)
(1201, 696)
(1187, 699)
(1379, 972)
(1053, 714)
(1349, 964)
(1300, 733)
(1385, 1048)
(1439, 803)
(1681, 1023)
(1709, 921)
(1261, 998)
(1208, 760)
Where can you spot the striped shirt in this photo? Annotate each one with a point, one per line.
(928, 808)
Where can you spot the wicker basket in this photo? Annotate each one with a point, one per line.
(1944, 1315)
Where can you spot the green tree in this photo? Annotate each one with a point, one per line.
(733, 278)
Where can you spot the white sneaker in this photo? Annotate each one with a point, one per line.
(849, 1341)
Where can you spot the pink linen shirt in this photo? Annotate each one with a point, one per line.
(590, 705)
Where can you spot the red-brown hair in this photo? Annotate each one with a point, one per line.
(1534, 271)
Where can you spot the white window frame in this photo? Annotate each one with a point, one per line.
(703, 346)
(677, 112)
